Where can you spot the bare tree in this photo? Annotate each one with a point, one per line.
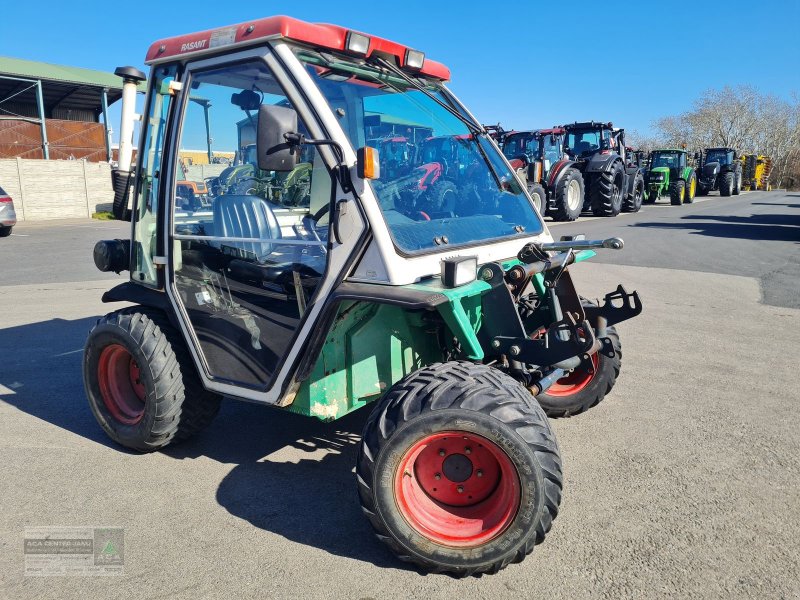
(740, 118)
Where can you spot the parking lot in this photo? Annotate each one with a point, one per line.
(684, 482)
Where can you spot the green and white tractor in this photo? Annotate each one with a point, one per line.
(458, 330)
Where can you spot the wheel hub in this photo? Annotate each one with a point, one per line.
(457, 488)
(573, 194)
(120, 383)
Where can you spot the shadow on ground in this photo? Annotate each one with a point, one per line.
(293, 475)
(768, 227)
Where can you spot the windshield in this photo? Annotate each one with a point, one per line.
(447, 185)
(583, 141)
(521, 144)
(720, 155)
(665, 159)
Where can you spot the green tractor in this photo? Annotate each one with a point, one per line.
(670, 172)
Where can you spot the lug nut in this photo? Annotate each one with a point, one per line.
(495, 343)
(438, 476)
(442, 452)
(514, 350)
(487, 274)
(460, 489)
(479, 473)
(467, 450)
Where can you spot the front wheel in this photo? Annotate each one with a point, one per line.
(140, 381)
(539, 197)
(633, 203)
(5, 231)
(569, 196)
(691, 189)
(459, 471)
(606, 191)
(726, 184)
(677, 192)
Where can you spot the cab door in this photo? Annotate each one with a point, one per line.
(252, 257)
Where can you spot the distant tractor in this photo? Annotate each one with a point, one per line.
(554, 183)
(756, 169)
(613, 184)
(721, 170)
(670, 172)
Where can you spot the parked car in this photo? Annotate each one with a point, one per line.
(8, 218)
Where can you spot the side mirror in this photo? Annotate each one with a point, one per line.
(275, 153)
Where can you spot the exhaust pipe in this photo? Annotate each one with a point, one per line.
(121, 176)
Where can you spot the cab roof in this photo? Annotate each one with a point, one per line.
(318, 35)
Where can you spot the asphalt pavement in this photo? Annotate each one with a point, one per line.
(684, 482)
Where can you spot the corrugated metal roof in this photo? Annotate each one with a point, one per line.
(29, 69)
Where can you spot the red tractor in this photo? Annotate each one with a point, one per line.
(552, 179)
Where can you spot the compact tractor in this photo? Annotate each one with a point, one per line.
(553, 182)
(721, 170)
(460, 331)
(613, 184)
(670, 171)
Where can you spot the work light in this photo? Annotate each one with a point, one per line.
(459, 270)
(357, 43)
(414, 59)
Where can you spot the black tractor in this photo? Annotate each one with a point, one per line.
(613, 183)
(721, 170)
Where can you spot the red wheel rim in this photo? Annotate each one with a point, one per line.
(457, 488)
(575, 381)
(120, 384)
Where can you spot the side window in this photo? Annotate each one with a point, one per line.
(250, 245)
(148, 175)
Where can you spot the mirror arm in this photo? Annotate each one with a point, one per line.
(295, 140)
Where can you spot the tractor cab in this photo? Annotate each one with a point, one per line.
(321, 279)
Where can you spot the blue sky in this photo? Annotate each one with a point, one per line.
(525, 63)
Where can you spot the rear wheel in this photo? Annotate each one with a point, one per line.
(737, 188)
(140, 381)
(459, 471)
(726, 184)
(606, 191)
(5, 231)
(569, 196)
(539, 197)
(441, 199)
(691, 189)
(677, 192)
(634, 202)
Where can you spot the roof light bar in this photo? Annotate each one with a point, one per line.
(357, 43)
(414, 59)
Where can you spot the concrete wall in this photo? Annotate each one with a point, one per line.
(56, 189)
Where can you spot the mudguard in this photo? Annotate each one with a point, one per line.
(557, 171)
(601, 163)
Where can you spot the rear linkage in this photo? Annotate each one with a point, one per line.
(561, 333)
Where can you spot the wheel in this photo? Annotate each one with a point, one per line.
(459, 471)
(440, 198)
(140, 381)
(539, 197)
(569, 196)
(633, 203)
(677, 192)
(606, 191)
(726, 184)
(691, 188)
(5, 231)
(650, 196)
(581, 390)
(737, 188)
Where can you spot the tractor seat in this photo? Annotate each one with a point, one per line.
(246, 217)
